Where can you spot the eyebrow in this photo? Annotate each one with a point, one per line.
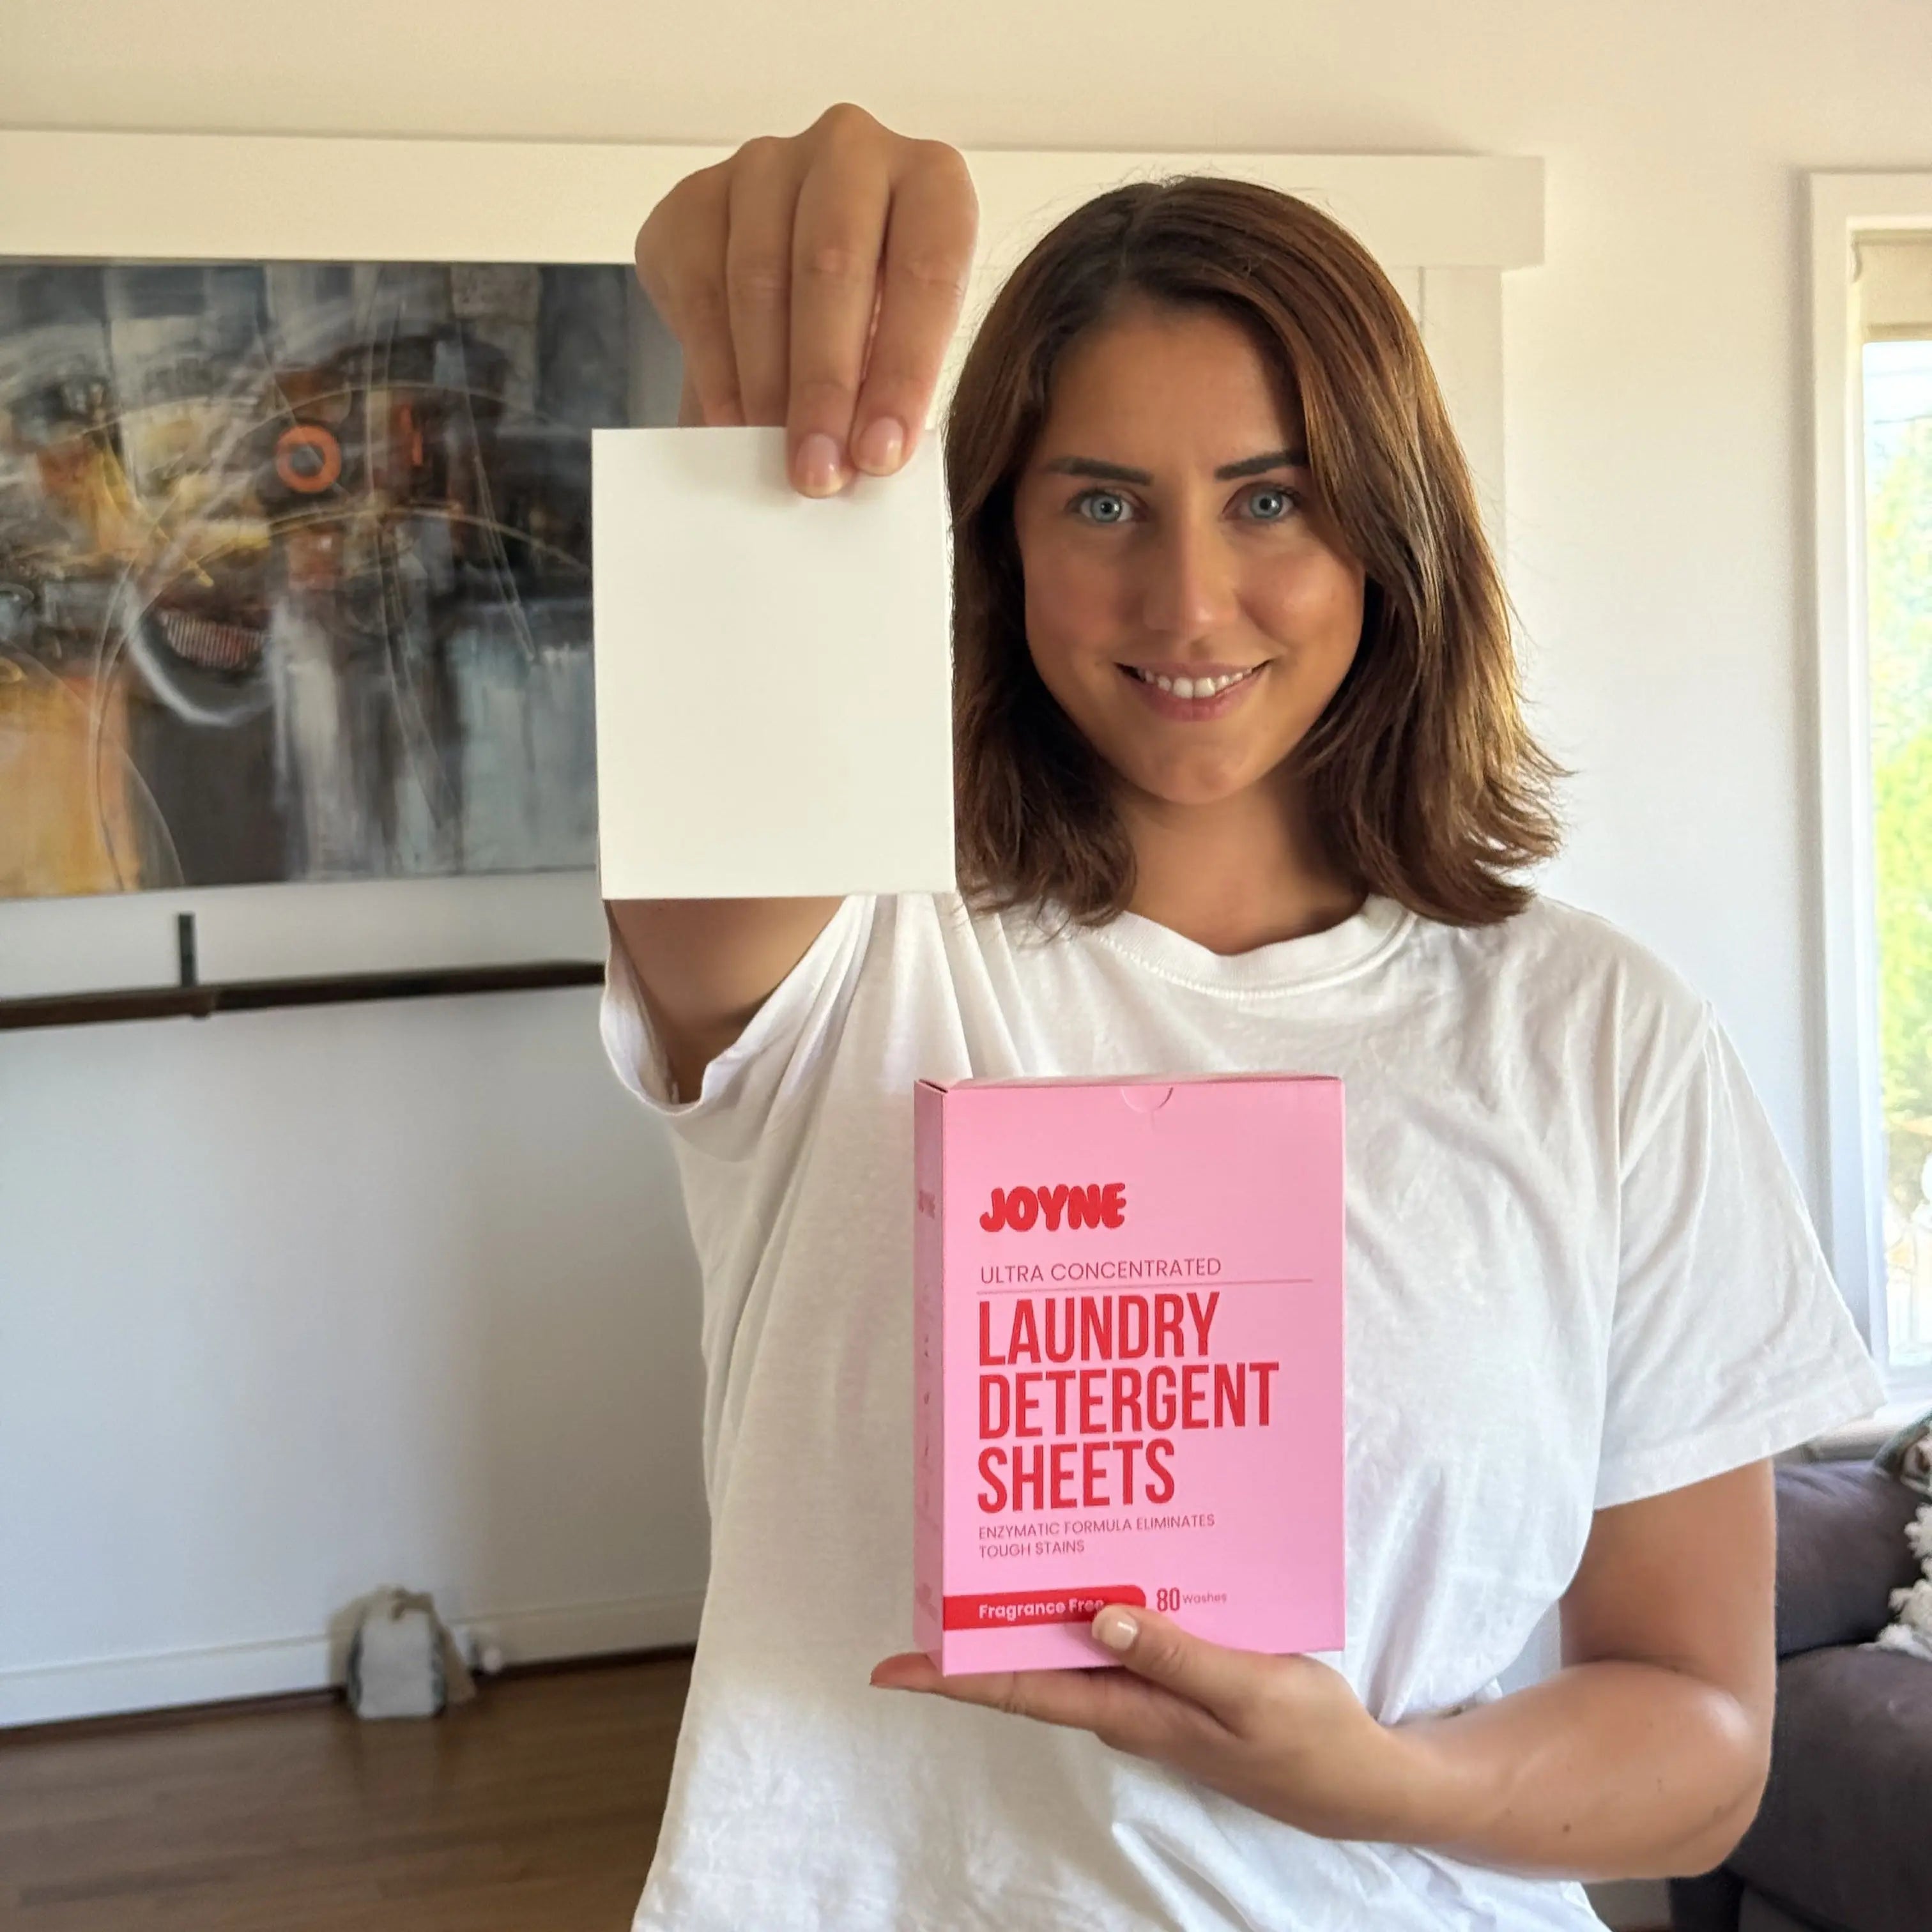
(1229, 472)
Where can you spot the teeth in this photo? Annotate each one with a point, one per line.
(1192, 687)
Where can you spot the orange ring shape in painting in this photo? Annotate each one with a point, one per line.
(308, 459)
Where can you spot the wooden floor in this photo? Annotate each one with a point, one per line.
(533, 1809)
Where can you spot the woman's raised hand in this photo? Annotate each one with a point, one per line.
(815, 281)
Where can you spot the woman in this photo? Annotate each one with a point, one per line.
(1242, 784)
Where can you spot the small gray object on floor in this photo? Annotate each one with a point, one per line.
(403, 1660)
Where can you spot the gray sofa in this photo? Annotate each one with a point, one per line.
(1843, 1841)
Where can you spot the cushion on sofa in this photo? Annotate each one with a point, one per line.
(1706, 1903)
(1757, 1914)
(1841, 1550)
(1841, 1835)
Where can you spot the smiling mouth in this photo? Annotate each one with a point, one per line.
(1195, 688)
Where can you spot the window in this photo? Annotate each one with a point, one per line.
(1873, 260)
(1896, 370)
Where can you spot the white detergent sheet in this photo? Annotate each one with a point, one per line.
(774, 676)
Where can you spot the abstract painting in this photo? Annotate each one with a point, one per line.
(295, 568)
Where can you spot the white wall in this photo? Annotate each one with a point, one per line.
(202, 1228)
(295, 1304)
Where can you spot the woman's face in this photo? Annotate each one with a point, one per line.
(1185, 602)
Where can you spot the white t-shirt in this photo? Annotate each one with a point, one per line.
(1578, 1273)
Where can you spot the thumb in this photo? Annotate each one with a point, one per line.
(1222, 1681)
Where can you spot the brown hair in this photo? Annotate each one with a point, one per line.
(1422, 780)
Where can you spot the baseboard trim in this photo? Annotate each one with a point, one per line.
(225, 1673)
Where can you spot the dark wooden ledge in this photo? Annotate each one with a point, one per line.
(202, 1001)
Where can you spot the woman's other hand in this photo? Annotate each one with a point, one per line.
(815, 281)
(1286, 1736)
(1644, 1756)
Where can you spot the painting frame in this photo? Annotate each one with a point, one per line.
(88, 199)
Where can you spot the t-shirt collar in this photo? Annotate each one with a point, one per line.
(1316, 959)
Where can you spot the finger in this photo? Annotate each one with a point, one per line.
(757, 274)
(838, 234)
(690, 404)
(1225, 1683)
(909, 1670)
(680, 260)
(930, 228)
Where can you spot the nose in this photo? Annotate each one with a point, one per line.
(1190, 589)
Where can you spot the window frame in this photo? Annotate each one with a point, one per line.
(1842, 206)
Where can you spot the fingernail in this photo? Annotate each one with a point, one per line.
(819, 469)
(880, 449)
(1116, 1629)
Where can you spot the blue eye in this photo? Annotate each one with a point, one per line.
(1101, 506)
(1271, 504)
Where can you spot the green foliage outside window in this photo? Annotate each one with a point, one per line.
(1899, 594)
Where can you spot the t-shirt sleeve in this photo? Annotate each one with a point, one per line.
(1728, 1341)
(772, 1066)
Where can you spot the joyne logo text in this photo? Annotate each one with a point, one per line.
(1095, 1204)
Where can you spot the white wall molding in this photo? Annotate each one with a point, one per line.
(295, 198)
(100, 1687)
(1461, 319)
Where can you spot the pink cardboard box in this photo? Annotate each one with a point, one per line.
(1128, 1386)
